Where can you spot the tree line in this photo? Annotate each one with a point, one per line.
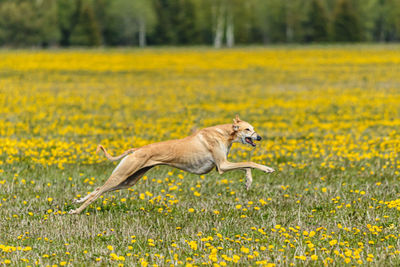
(196, 22)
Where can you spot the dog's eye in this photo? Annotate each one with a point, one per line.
(247, 129)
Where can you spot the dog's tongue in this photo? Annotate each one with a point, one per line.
(248, 140)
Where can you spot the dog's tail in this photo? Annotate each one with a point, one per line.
(111, 158)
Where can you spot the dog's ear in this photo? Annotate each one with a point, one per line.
(235, 125)
(236, 119)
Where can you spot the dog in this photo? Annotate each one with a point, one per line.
(198, 154)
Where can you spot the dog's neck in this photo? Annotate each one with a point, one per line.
(229, 134)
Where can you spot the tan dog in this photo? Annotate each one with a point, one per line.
(198, 153)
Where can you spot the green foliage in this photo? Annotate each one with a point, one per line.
(346, 24)
(317, 23)
(243, 23)
(126, 17)
(86, 31)
(271, 14)
(27, 23)
(190, 22)
(67, 14)
(163, 33)
(184, 22)
(386, 20)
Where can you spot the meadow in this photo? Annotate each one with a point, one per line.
(329, 118)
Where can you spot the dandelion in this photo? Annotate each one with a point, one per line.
(333, 242)
(245, 250)
(193, 245)
(314, 257)
(235, 258)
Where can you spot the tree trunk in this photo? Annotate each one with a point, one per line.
(289, 22)
(142, 32)
(219, 30)
(230, 34)
(289, 33)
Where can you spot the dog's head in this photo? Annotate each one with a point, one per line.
(244, 132)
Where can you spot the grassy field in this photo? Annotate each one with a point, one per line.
(329, 117)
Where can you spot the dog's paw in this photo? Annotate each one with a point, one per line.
(269, 170)
(72, 212)
(78, 200)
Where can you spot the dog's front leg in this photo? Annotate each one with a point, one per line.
(228, 166)
(249, 178)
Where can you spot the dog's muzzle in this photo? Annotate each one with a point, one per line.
(249, 140)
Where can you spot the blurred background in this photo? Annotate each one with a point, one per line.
(53, 23)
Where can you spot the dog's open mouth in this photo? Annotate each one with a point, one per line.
(250, 141)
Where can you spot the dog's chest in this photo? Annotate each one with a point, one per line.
(200, 165)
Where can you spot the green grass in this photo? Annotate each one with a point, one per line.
(49, 231)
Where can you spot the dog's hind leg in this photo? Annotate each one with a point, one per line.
(83, 199)
(130, 181)
(123, 177)
(111, 185)
(133, 179)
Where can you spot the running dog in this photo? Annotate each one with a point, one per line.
(198, 154)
